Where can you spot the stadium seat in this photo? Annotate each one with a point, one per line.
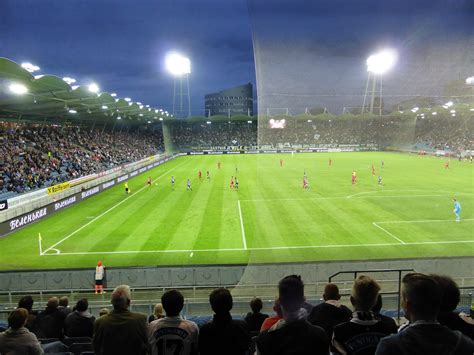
(72, 340)
(79, 348)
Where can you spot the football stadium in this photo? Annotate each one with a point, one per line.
(322, 208)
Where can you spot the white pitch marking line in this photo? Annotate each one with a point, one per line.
(426, 221)
(244, 241)
(107, 211)
(390, 234)
(371, 192)
(269, 248)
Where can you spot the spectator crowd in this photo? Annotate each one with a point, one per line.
(35, 156)
(429, 301)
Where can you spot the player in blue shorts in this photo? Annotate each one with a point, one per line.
(188, 184)
(172, 181)
(457, 210)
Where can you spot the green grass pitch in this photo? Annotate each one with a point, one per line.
(270, 219)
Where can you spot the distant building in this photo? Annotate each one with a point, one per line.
(230, 102)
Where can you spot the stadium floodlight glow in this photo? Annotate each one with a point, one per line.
(130, 103)
(119, 118)
(471, 109)
(381, 62)
(449, 104)
(249, 121)
(127, 99)
(38, 76)
(69, 80)
(177, 64)
(72, 111)
(161, 118)
(30, 67)
(208, 122)
(453, 114)
(415, 109)
(141, 115)
(141, 106)
(309, 121)
(434, 113)
(453, 111)
(167, 114)
(147, 105)
(104, 107)
(93, 87)
(149, 122)
(156, 111)
(74, 87)
(470, 80)
(18, 89)
(113, 94)
(139, 103)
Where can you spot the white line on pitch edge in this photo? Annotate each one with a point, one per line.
(425, 221)
(261, 249)
(244, 241)
(104, 213)
(390, 234)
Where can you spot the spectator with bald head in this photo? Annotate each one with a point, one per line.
(331, 312)
(121, 331)
(50, 322)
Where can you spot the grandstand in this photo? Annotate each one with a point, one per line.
(119, 205)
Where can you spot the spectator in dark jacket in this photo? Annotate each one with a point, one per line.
(378, 307)
(50, 322)
(447, 315)
(80, 323)
(64, 306)
(17, 339)
(331, 312)
(293, 334)
(223, 335)
(27, 302)
(421, 299)
(255, 319)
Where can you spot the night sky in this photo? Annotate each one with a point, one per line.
(307, 53)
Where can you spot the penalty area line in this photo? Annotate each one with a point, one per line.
(262, 248)
(387, 232)
(104, 213)
(244, 241)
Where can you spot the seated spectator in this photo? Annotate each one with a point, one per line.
(255, 319)
(378, 307)
(157, 313)
(363, 332)
(421, 300)
(80, 323)
(64, 306)
(121, 331)
(450, 300)
(168, 334)
(27, 302)
(331, 312)
(293, 334)
(50, 322)
(223, 335)
(17, 339)
(270, 321)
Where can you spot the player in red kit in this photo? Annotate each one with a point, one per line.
(373, 169)
(305, 182)
(232, 183)
(218, 165)
(354, 177)
(200, 175)
(446, 165)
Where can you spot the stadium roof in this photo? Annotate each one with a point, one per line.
(50, 97)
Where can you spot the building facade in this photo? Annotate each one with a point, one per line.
(230, 102)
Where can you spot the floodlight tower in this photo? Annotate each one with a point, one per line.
(180, 67)
(377, 65)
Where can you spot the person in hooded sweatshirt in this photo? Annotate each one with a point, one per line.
(331, 312)
(80, 323)
(421, 300)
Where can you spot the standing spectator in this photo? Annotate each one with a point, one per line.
(99, 277)
(451, 297)
(173, 335)
(223, 335)
(17, 339)
(50, 322)
(121, 331)
(64, 306)
(293, 334)
(363, 332)
(157, 313)
(80, 323)
(421, 300)
(255, 319)
(27, 302)
(331, 312)
(270, 321)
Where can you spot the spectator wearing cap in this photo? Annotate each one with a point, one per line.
(17, 339)
(421, 301)
(80, 323)
(293, 334)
